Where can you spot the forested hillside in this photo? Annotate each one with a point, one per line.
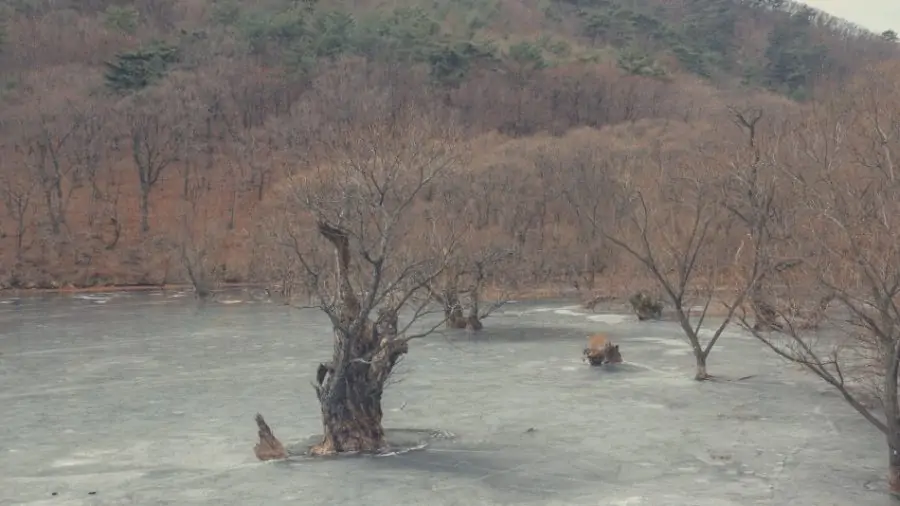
(151, 141)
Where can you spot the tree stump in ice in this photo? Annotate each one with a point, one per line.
(269, 447)
(646, 307)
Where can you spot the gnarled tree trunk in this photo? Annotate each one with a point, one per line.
(365, 352)
(352, 416)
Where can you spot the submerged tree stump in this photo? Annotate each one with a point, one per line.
(269, 447)
(600, 350)
(646, 307)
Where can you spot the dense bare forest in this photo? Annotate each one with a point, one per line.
(153, 142)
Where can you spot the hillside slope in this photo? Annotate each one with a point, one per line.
(132, 129)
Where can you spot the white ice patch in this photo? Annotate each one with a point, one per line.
(609, 319)
(628, 501)
(676, 352)
(664, 341)
(73, 462)
(230, 301)
(96, 298)
(707, 333)
(568, 312)
(83, 458)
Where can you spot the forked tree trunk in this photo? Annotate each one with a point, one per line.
(700, 355)
(701, 374)
(456, 317)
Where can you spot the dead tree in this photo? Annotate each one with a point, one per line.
(269, 447)
(364, 204)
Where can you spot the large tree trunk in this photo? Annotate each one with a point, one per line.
(894, 471)
(145, 210)
(365, 352)
(353, 422)
(701, 374)
(350, 395)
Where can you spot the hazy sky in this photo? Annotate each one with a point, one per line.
(876, 15)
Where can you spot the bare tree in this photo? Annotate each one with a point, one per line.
(671, 222)
(590, 173)
(17, 191)
(157, 133)
(364, 205)
(88, 150)
(110, 210)
(44, 144)
(848, 201)
(751, 195)
(460, 289)
(198, 239)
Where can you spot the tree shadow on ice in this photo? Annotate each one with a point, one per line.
(525, 471)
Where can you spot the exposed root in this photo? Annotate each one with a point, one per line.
(323, 449)
(269, 447)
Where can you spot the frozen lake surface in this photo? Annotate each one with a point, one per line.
(149, 399)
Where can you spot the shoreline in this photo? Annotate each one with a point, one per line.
(526, 294)
(617, 304)
(66, 290)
